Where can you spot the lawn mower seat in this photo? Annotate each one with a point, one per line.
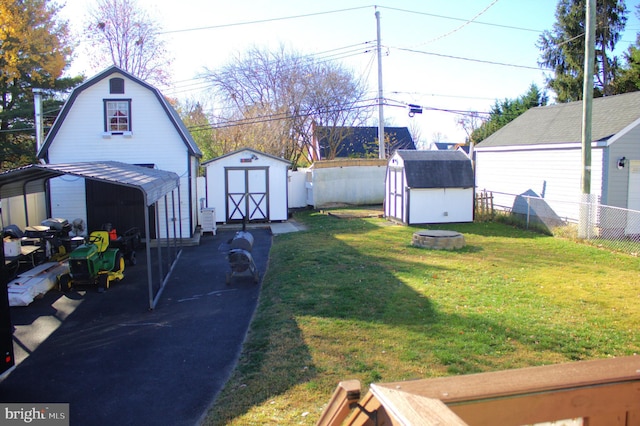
(100, 239)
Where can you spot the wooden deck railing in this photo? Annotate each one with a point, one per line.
(600, 392)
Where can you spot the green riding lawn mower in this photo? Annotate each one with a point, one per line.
(98, 262)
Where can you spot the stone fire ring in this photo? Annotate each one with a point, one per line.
(438, 240)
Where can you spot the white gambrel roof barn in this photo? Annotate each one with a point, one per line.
(115, 116)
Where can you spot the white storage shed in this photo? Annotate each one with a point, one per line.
(429, 187)
(247, 183)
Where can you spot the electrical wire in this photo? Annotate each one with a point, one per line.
(262, 21)
(466, 59)
(460, 27)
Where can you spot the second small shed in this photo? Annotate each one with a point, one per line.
(247, 184)
(429, 187)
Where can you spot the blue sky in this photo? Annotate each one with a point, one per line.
(447, 56)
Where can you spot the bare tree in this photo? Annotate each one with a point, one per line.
(122, 34)
(469, 122)
(282, 95)
(415, 132)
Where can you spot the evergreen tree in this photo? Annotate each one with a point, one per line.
(508, 110)
(628, 79)
(563, 47)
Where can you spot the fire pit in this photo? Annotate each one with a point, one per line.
(438, 240)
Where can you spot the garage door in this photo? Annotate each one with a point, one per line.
(247, 194)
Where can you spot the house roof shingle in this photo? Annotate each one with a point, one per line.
(360, 141)
(562, 123)
(437, 169)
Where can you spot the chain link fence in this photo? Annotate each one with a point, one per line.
(606, 226)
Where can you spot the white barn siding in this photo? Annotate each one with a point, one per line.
(68, 198)
(553, 173)
(154, 140)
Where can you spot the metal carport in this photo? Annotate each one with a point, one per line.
(155, 185)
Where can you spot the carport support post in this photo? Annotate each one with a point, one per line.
(147, 232)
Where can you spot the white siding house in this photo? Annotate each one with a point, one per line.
(116, 116)
(247, 184)
(540, 153)
(429, 187)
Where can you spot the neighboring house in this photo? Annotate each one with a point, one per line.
(540, 152)
(116, 116)
(247, 184)
(429, 187)
(359, 142)
(446, 146)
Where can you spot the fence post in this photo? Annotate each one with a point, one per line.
(585, 221)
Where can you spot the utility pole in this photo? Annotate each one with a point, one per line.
(381, 149)
(584, 230)
(587, 95)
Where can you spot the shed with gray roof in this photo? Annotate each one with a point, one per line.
(429, 187)
(541, 151)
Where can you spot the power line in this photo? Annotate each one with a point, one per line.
(466, 59)
(262, 21)
(461, 19)
(460, 27)
(276, 117)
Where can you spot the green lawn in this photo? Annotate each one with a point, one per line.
(352, 299)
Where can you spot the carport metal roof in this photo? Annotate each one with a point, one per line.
(153, 183)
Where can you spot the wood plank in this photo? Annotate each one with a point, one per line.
(598, 402)
(524, 380)
(407, 409)
(339, 407)
(633, 418)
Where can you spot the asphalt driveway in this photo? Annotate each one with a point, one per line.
(116, 363)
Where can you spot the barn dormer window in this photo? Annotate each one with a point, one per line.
(117, 116)
(116, 85)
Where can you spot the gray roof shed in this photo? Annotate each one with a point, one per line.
(437, 169)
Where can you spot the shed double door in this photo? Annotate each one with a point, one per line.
(247, 194)
(396, 193)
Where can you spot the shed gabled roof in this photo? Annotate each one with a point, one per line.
(30, 179)
(437, 169)
(562, 123)
(172, 114)
(250, 150)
